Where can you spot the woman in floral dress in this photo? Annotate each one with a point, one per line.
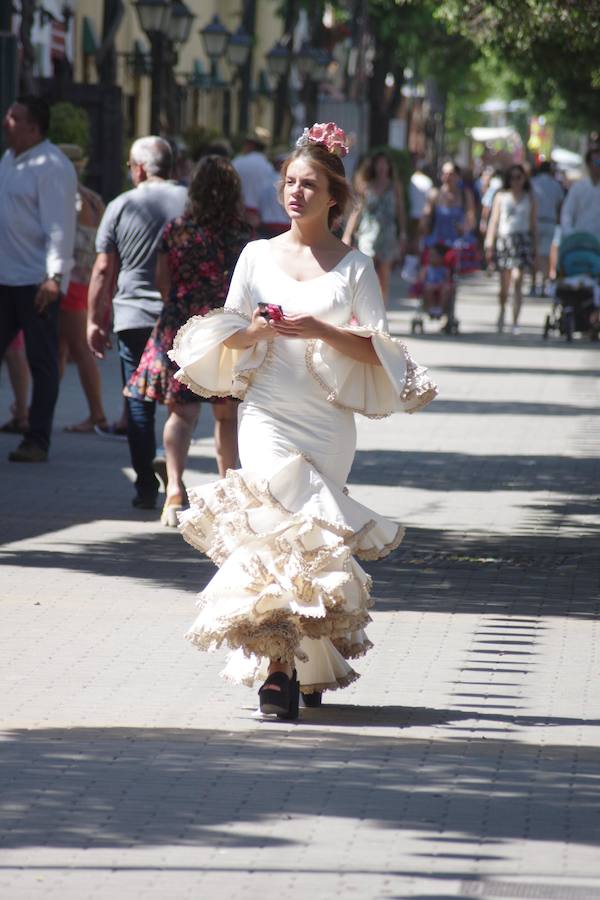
(196, 259)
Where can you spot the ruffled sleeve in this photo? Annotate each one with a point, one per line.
(398, 385)
(206, 365)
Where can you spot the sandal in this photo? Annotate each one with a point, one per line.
(159, 465)
(280, 696)
(115, 430)
(88, 426)
(15, 426)
(170, 512)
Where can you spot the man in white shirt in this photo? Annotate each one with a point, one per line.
(38, 186)
(581, 209)
(255, 172)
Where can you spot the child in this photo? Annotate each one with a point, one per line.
(436, 277)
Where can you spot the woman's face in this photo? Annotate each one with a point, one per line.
(381, 167)
(516, 179)
(306, 191)
(449, 176)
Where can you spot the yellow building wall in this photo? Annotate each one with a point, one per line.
(202, 107)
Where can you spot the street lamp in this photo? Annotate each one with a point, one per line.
(320, 66)
(312, 64)
(215, 38)
(154, 15)
(278, 60)
(180, 24)
(304, 60)
(166, 23)
(238, 57)
(239, 46)
(155, 18)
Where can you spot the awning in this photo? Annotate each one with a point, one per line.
(566, 158)
(500, 133)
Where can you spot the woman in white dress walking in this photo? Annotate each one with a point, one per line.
(303, 341)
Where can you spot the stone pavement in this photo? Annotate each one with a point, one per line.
(466, 760)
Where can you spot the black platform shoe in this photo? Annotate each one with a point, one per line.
(312, 700)
(280, 696)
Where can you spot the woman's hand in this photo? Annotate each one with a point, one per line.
(489, 256)
(306, 327)
(258, 330)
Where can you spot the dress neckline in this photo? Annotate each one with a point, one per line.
(316, 278)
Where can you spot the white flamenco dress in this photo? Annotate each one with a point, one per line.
(282, 529)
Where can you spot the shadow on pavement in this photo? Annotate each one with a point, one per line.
(517, 575)
(116, 787)
(516, 370)
(444, 471)
(432, 571)
(504, 408)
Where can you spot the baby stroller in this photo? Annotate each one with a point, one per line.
(451, 261)
(576, 304)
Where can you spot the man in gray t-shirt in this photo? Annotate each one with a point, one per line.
(126, 244)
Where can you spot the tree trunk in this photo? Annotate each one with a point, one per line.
(382, 100)
(26, 79)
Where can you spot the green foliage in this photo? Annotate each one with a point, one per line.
(551, 48)
(198, 139)
(69, 124)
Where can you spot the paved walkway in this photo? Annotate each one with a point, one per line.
(464, 763)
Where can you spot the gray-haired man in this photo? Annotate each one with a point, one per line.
(126, 244)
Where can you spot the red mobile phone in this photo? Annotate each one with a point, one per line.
(271, 311)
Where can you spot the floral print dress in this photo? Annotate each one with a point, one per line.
(200, 261)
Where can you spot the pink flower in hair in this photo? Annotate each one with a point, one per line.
(317, 133)
(329, 135)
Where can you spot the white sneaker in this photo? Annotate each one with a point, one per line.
(515, 330)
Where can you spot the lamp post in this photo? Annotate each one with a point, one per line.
(167, 24)
(155, 17)
(178, 32)
(278, 61)
(215, 39)
(238, 56)
(312, 64)
(180, 25)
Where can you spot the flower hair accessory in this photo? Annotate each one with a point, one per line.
(329, 135)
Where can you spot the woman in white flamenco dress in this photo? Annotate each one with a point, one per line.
(289, 598)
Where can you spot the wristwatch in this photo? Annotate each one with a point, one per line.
(57, 277)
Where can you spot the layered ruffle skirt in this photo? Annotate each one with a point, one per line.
(283, 529)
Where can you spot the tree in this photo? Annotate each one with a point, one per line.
(550, 47)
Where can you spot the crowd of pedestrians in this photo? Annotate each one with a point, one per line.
(72, 272)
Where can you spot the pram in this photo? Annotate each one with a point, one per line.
(452, 264)
(576, 304)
